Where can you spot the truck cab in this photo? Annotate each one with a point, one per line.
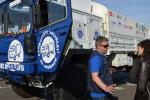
(33, 38)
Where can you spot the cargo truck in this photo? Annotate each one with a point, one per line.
(45, 45)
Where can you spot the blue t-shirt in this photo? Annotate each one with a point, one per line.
(95, 64)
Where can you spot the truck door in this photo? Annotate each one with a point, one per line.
(52, 33)
(94, 29)
(16, 24)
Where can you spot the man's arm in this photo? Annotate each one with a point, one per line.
(110, 89)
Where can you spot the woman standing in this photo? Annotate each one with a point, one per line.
(143, 82)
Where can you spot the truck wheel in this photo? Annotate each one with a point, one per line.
(23, 91)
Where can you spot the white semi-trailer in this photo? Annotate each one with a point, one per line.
(94, 19)
(123, 33)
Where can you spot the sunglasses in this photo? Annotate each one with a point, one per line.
(105, 46)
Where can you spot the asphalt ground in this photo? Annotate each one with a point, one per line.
(6, 93)
(123, 92)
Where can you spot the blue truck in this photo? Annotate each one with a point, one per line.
(45, 46)
(34, 55)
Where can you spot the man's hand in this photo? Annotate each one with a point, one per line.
(110, 89)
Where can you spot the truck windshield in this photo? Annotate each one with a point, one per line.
(18, 18)
(51, 11)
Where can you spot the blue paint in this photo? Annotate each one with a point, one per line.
(60, 33)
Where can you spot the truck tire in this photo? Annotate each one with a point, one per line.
(72, 83)
(24, 91)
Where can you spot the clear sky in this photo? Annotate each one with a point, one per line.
(138, 10)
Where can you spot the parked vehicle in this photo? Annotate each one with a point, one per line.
(45, 45)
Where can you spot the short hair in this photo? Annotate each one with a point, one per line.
(146, 45)
(100, 39)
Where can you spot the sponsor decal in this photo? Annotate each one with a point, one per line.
(48, 48)
(11, 66)
(97, 34)
(80, 33)
(15, 51)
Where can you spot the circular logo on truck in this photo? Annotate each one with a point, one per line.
(15, 51)
(47, 49)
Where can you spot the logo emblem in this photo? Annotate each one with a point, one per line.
(80, 34)
(15, 52)
(47, 49)
(97, 34)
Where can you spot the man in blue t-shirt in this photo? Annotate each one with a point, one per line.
(100, 82)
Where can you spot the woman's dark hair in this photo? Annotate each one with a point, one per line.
(146, 45)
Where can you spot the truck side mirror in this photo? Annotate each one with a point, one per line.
(29, 44)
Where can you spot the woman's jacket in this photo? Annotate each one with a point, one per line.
(143, 80)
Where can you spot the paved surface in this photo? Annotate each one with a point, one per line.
(6, 93)
(124, 92)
